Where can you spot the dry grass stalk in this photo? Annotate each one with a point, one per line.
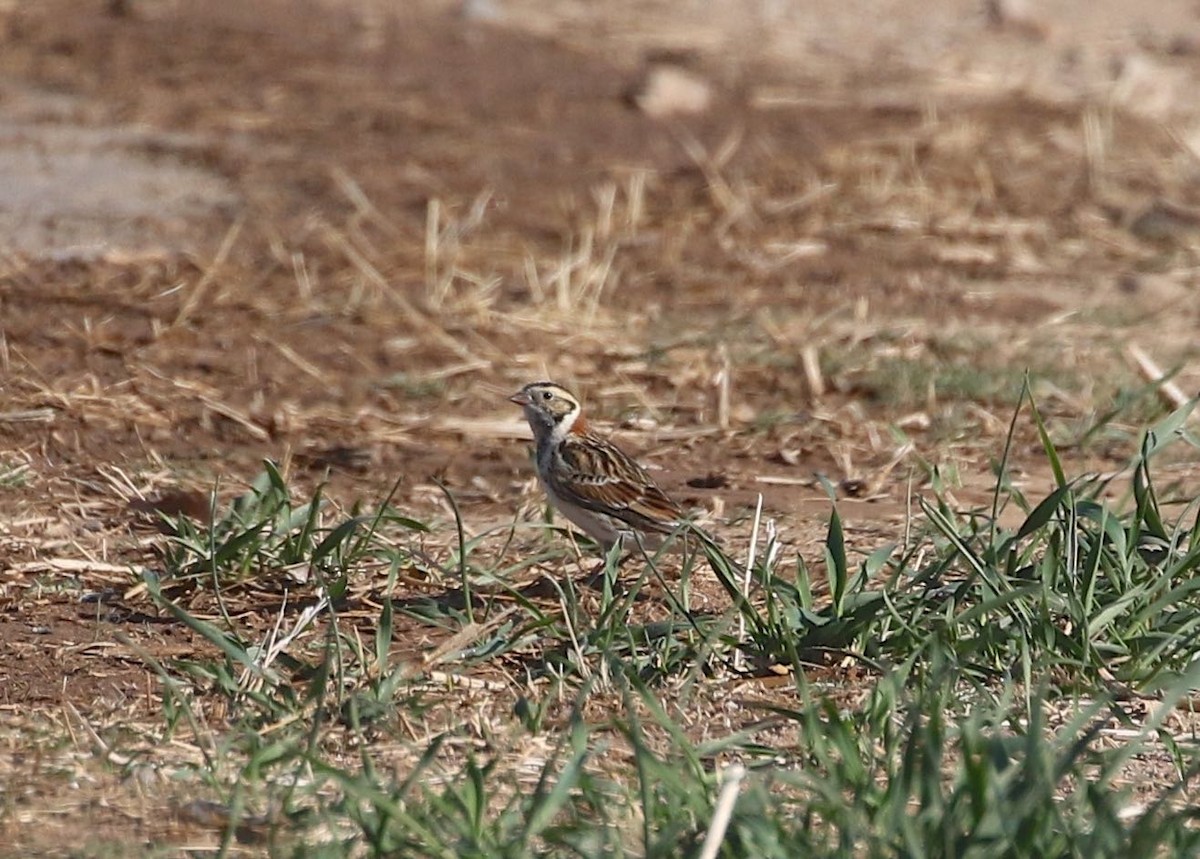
(731, 781)
(419, 320)
(723, 383)
(27, 416)
(735, 207)
(69, 565)
(811, 363)
(296, 360)
(99, 747)
(1170, 392)
(304, 287)
(778, 480)
(363, 206)
(210, 273)
(434, 284)
(1095, 146)
(739, 659)
(606, 203)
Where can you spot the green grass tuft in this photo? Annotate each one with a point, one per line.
(1000, 673)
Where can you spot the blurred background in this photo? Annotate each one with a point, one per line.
(787, 239)
(793, 241)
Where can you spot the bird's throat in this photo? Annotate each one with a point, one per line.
(571, 423)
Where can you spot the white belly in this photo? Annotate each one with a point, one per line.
(599, 528)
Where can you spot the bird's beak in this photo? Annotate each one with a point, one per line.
(520, 398)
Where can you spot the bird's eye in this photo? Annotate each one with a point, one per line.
(546, 395)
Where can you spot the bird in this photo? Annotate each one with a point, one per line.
(591, 481)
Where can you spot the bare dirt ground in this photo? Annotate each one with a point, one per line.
(337, 238)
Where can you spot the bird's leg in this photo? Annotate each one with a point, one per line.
(611, 562)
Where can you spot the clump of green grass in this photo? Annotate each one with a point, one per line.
(15, 475)
(1079, 588)
(1118, 416)
(263, 533)
(911, 383)
(990, 711)
(414, 386)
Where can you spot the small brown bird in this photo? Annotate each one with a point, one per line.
(588, 479)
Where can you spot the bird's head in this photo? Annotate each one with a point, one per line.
(552, 410)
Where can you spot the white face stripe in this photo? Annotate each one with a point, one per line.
(563, 426)
(551, 410)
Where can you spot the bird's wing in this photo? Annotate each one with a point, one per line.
(598, 476)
